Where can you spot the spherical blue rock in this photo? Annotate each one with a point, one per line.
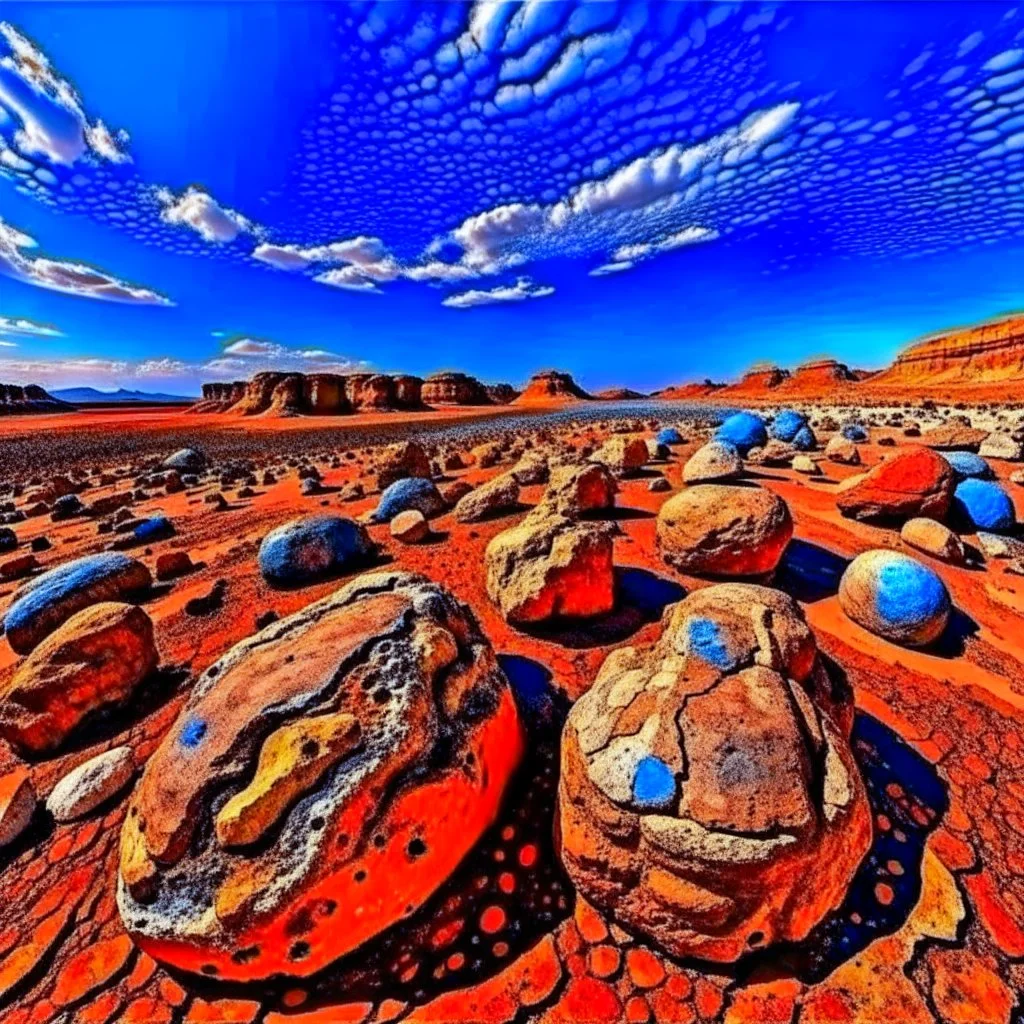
(968, 464)
(48, 601)
(743, 431)
(411, 492)
(311, 549)
(983, 505)
(895, 597)
(787, 425)
(669, 435)
(854, 432)
(155, 528)
(804, 440)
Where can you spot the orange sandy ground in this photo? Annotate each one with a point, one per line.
(956, 956)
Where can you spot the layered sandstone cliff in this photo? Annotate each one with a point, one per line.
(758, 379)
(818, 377)
(18, 400)
(452, 388)
(986, 354)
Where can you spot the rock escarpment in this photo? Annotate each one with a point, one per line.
(16, 400)
(551, 386)
(451, 388)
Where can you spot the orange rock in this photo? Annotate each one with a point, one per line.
(967, 989)
(1004, 927)
(91, 970)
(644, 968)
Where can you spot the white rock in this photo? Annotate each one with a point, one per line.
(91, 784)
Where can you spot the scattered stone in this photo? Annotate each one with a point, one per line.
(993, 545)
(551, 566)
(576, 490)
(968, 464)
(46, 602)
(217, 500)
(806, 465)
(854, 432)
(327, 752)
(669, 436)
(412, 492)
(895, 597)
(933, 539)
(410, 527)
(66, 507)
(40, 544)
(20, 565)
(954, 436)
(709, 800)
(311, 549)
(8, 539)
(774, 453)
(719, 530)
(91, 784)
(659, 485)
(153, 529)
(18, 802)
(532, 468)
(1001, 446)
(715, 461)
(208, 603)
(454, 492)
(186, 460)
(172, 564)
(743, 430)
(622, 454)
(805, 440)
(983, 505)
(398, 461)
(496, 497)
(787, 424)
(914, 482)
(94, 660)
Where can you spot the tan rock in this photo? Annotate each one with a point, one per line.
(933, 539)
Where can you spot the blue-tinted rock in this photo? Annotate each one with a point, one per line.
(983, 505)
(669, 435)
(967, 464)
(48, 601)
(8, 539)
(66, 507)
(854, 432)
(804, 440)
(743, 431)
(788, 424)
(654, 785)
(895, 597)
(412, 492)
(306, 550)
(186, 460)
(155, 528)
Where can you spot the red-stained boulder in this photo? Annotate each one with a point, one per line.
(324, 779)
(913, 482)
(708, 799)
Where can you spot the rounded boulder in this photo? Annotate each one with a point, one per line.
(95, 660)
(48, 601)
(968, 465)
(709, 800)
(718, 530)
(788, 424)
(307, 550)
(895, 597)
(913, 482)
(743, 430)
(713, 461)
(411, 493)
(333, 770)
(983, 505)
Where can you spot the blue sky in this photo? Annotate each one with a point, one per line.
(639, 193)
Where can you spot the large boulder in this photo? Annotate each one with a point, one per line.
(983, 505)
(576, 490)
(1001, 446)
(407, 458)
(935, 539)
(48, 601)
(413, 492)
(325, 777)
(787, 424)
(743, 430)
(954, 436)
(550, 566)
(669, 436)
(622, 454)
(968, 464)
(185, 460)
(914, 482)
(94, 660)
(718, 530)
(712, 462)
(496, 497)
(314, 548)
(895, 597)
(709, 800)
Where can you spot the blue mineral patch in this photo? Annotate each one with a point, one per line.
(193, 732)
(704, 639)
(654, 785)
(909, 592)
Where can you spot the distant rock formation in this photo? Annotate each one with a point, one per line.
(687, 392)
(988, 353)
(619, 395)
(551, 386)
(501, 394)
(453, 388)
(818, 376)
(759, 378)
(18, 400)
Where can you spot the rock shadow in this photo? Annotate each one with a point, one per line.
(809, 572)
(513, 874)
(640, 597)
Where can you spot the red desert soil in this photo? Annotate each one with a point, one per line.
(934, 930)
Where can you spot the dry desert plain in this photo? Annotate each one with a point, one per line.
(901, 786)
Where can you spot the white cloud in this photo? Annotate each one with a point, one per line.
(487, 237)
(20, 327)
(63, 276)
(523, 289)
(678, 240)
(197, 209)
(611, 268)
(350, 278)
(51, 122)
(253, 347)
(243, 356)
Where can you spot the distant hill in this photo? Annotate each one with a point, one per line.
(85, 396)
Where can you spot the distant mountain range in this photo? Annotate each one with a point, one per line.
(84, 396)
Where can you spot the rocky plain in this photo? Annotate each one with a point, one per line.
(558, 710)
